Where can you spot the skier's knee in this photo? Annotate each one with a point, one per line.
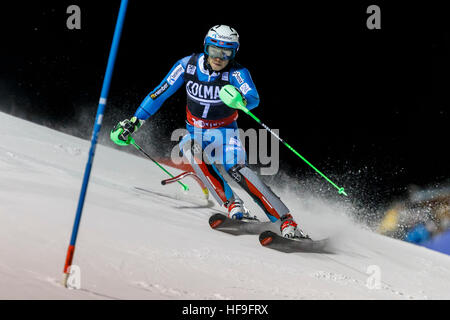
(191, 149)
(235, 173)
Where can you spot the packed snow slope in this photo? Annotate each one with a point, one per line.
(147, 246)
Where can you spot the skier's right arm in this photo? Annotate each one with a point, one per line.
(121, 134)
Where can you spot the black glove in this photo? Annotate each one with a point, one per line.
(121, 134)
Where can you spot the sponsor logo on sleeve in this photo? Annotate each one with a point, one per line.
(175, 74)
(159, 91)
(238, 77)
(245, 88)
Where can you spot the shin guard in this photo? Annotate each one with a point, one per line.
(207, 173)
(259, 191)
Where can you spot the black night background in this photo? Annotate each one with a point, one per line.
(369, 108)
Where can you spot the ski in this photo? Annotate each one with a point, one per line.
(222, 223)
(275, 241)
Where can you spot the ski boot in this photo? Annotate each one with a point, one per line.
(289, 228)
(237, 210)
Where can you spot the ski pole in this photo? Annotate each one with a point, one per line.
(185, 187)
(96, 130)
(232, 98)
(188, 174)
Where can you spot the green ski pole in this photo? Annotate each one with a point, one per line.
(185, 187)
(232, 98)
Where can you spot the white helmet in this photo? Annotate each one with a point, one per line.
(222, 36)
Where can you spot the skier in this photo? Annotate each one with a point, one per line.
(209, 123)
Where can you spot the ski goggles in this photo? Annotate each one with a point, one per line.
(218, 52)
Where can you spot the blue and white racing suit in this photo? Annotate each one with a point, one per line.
(212, 126)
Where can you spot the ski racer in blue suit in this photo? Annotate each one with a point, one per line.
(212, 126)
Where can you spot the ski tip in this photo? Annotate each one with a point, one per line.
(266, 238)
(215, 224)
(216, 220)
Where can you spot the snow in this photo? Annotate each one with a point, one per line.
(146, 246)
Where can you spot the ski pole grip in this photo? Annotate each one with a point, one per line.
(232, 98)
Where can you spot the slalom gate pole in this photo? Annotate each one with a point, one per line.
(97, 127)
(232, 98)
(185, 187)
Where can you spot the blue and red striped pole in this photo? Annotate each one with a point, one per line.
(96, 130)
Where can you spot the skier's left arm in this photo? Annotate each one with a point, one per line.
(242, 80)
